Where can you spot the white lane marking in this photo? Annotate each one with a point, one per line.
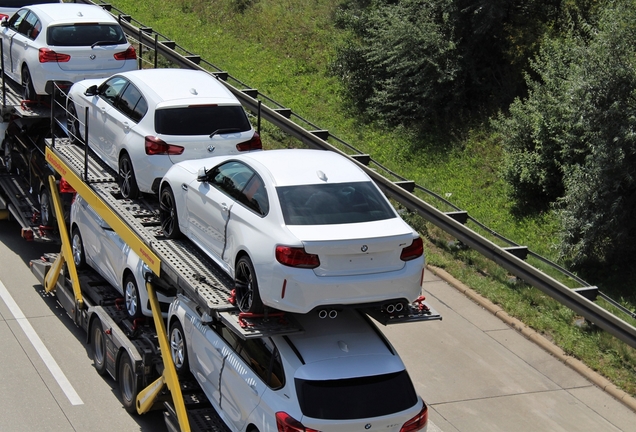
(37, 343)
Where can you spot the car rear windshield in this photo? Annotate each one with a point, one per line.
(356, 398)
(201, 120)
(85, 34)
(22, 3)
(338, 203)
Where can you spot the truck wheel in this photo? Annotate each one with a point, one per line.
(178, 349)
(131, 297)
(129, 383)
(168, 214)
(77, 247)
(98, 342)
(28, 92)
(127, 181)
(248, 298)
(46, 208)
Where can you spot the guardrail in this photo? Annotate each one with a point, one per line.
(400, 190)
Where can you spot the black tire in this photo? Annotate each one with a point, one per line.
(98, 342)
(131, 297)
(47, 216)
(77, 248)
(168, 214)
(127, 181)
(248, 299)
(73, 124)
(28, 91)
(129, 383)
(178, 348)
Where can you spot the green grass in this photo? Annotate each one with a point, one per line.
(283, 49)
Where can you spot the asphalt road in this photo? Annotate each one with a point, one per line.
(475, 372)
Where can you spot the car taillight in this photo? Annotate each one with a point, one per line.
(65, 187)
(415, 250)
(253, 144)
(46, 55)
(287, 423)
(296, 257)
(416, 423)
(155, 146)
(129, 54)
(3, 16)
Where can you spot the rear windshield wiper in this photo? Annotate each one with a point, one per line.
(101, 43)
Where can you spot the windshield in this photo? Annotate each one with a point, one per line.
(339, 203)
(201, 120)
(356, 398)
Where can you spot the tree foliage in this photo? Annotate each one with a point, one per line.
(572, 141)
(438, 62)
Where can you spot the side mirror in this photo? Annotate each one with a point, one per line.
(91, 91)
(202, 175)
(4, 22)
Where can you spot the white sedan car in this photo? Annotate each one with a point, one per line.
(142, 122)
(339, 374)
(94, 243)
(296, 229)
(63, 43)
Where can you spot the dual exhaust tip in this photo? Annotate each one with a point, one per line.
(393, 308)
(327, 313)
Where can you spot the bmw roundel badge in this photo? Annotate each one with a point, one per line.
(367, 426)
(364, 248)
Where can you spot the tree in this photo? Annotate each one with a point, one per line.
(573, 139)
(428, 63)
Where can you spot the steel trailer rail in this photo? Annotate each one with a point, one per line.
(280, 117)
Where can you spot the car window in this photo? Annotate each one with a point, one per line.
(233, 178)
(260, 355)
(132, 103)
(356, 398)
(201, 120)
(17, 18)
(338, 203)
(254, 196)
(112, 88)
(28, 24)
(85, 34)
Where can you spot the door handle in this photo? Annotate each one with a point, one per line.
(103, 109)
(224, 207)
(126, 127)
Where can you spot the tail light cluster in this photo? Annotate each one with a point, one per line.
(415, 250)
(46, 55)
(296, 257)
(416, 423)
(253, 143)
(129, 54)
(287, 423)
(156, 146)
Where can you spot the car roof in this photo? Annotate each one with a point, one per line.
(60, 13)
(347, 346)
(303, 166)
(178, 86)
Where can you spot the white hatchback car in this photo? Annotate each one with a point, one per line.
(142, 122)
(338, 374)
(94, 243)
(296, 229)
(63, 43)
